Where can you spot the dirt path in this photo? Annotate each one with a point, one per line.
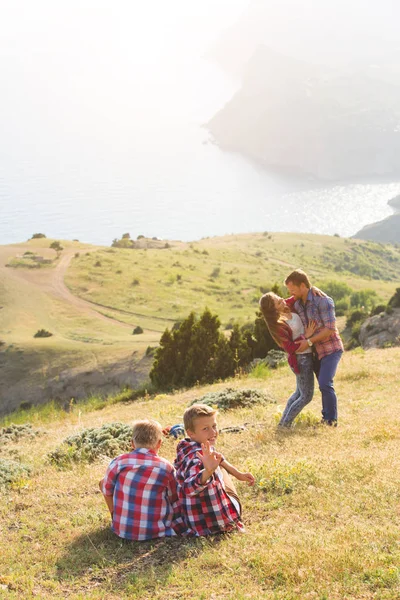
(59, 289)
(52, 281)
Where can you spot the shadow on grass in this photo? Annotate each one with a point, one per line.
(102, 557)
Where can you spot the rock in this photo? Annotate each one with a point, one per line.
(381, 331)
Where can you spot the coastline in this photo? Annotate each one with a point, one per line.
(387, 230)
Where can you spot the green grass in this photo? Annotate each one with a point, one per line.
(228, 278)
(152, 289)
(322, 520)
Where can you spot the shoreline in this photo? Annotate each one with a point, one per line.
(387, 230)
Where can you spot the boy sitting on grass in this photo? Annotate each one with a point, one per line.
(140, 488)
(208, 499)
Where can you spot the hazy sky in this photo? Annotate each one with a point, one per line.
(324, 31)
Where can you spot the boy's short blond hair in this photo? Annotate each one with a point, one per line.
(195, 412)
(146, 433)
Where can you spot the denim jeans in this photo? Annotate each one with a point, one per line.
(304, 390)
(327, 372)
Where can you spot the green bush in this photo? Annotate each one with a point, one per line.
(42, 333)
(363, 298)
(14, 433)
(377, 310)
(335, 289)
(342, 306)
(137, 330)
(277, 478)
(12, 472)
(231, 398)
(394, 301)
(37, 236)
(109, 440)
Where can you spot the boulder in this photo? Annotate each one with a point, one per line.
(381, 331)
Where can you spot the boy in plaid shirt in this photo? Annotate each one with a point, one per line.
(208, 500)
(140, 488)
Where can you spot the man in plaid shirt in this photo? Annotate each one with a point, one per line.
(326, 338)
(140, 488)
(207, 497)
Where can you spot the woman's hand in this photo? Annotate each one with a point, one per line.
(317, 292)
(310, 329)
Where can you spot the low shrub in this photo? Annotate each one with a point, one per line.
(277, 478)
(12, 472)
(14, 433)
(377, 310)
(230, 398)
(42, 333)
(137, 330)
(109, 440)
(275, 358)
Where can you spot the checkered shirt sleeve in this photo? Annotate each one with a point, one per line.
(205, 508)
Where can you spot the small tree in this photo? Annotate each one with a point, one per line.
(56, 246)
(197, 351)
(37, 236)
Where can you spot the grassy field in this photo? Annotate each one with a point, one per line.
(158, 287)
(325, 526)
(91, 298)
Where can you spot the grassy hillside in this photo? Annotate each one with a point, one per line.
(157, 287)
(77, 358)
(91, 298)
(325, 526)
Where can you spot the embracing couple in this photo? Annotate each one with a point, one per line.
(304, 325)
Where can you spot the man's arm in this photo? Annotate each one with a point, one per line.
(321, 336)
(109, 499)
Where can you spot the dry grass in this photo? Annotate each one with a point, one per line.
(328, 528)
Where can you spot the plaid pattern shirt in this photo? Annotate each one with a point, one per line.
(205, 508)
(322, 311)
(143, 487)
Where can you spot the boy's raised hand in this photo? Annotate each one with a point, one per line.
(209, 457)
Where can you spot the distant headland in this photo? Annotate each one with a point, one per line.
(387, 230)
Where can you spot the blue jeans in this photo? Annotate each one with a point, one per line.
(304, 390)
(327, 372)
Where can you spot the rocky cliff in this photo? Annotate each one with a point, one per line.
(387, 230)
(306, 119)
(381, 331)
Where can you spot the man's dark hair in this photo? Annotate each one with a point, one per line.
(298, 277)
